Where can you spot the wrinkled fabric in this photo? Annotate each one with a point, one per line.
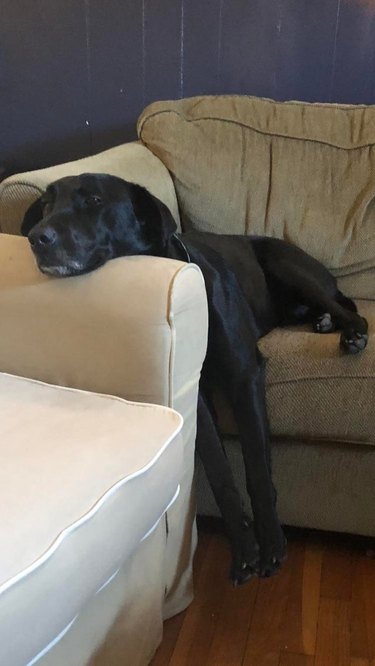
(298, 171)
(130, 161)
(304, 173)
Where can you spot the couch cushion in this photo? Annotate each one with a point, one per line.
(313, 390)
(130, 161)
(85, 478)
(303, 172)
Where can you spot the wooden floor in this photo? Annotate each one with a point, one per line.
(318, 611)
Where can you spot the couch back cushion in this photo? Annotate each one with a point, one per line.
(130, 161)
(298, 171)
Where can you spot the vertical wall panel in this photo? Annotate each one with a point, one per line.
(248, 54)
(43, 91)
(114, 52)
(202, 46)
(306, 48)
(163, 49)
(354, 67)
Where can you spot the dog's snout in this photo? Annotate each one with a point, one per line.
(42, 237)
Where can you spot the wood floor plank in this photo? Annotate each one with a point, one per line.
(359, 643)
(171, 632)
(311, 596)
(229, 641)
(282, 621)
(368, 567)
(301, 618)
(333, 638)
(291, 632)
(173, 626)
(290, 659)
(337, 573)
(198, 628)
(265, 659)
(267, 629)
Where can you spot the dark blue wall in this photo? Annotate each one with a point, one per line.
(75, 74)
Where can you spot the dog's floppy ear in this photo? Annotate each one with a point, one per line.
(32, 216)
(153, 213)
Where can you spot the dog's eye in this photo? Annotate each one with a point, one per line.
(93, 200)
(46, 206)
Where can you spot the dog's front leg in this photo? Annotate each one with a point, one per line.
(247, 393)
(234, 361)
(239, 529)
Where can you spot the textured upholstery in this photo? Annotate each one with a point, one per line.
(303, 172)
(130, 161)
(320, 484)
(314, 391)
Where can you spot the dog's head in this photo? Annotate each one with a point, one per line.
(81, 222)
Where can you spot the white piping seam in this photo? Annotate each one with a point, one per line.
(153, 528)
(150, 531)
(110, 579)
(107, 582)
(108, 396)
(52, 643)
(89, 514)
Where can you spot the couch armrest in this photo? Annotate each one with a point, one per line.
(131, 161)
(136, 328)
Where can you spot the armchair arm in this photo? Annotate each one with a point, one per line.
(131, 161)
(136, 328)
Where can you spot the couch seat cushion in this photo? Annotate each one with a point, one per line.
(84, 479)
(313, 390)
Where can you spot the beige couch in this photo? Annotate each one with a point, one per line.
(301, 172)
(136, 328)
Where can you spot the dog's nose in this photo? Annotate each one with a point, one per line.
(42, 237)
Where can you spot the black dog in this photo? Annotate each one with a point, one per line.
(253, 284)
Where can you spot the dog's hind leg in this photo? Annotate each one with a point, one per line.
(335, 315)
(297, 276)
(245, 551)
(325, 322)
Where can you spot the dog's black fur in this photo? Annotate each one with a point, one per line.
(253, 284)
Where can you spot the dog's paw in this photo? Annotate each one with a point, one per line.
(271, 558)
(240, 575)
(354, 338)
(245, 563)
(324, 324)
